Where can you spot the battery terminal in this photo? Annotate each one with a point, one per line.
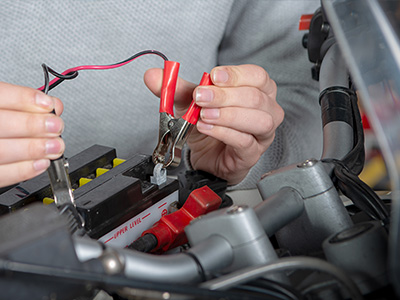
(159, 175)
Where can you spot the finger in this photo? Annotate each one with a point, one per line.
(15, 124)
(184, 89)
(245, 145)
(251, 121)
(250, 97)
(58, 106)
(153, 80)
(21, 171)
(14, 97)
(243, 75)
(16, 150)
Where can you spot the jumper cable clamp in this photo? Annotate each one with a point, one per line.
(173, 132)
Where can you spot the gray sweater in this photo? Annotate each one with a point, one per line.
(114, 108)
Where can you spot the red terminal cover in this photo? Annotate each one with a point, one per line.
(170, 77)
(170, 229)
(305, 21)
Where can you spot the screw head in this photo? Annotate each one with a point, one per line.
(307, 163)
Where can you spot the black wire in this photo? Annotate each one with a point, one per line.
(320, 285)
(355, 159)
(267, 292)
(70, 75)
(47, 70)
(46, 78)
(73, 75)
(359, 189)
(144, 243)
(284, 289)
(346, 171)
(113, 283)
(359, 192)
(272, 288)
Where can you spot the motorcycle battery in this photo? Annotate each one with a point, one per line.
(117, 203)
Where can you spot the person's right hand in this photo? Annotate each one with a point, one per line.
(29, 133)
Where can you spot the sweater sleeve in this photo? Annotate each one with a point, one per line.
(266, 33)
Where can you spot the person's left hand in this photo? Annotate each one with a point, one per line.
(238, 119)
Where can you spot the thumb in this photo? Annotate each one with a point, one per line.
(183, 94)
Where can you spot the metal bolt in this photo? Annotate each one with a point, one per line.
(308, 163)
(325, 27)
(170, 124)
(237, 209)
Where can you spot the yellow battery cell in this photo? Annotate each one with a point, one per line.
(47, 200)
(83, 181)
(117, 161)
(101, 171)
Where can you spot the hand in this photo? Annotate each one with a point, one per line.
(29, 133)
(239, 117)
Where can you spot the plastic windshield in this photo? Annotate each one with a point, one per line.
(367, 32)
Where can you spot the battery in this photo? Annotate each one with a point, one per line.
(111, 204)
(81, 165)
(120, 194)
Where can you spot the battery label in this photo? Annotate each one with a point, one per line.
(126, 233)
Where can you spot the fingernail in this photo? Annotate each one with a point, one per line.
(220, 76)
(204, 126)
(53, 147)
(54, 125)
(204, 95)
(41, 164)
(210, 113)
(43, 100)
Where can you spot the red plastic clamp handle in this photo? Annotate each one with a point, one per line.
(170, 77)
(193, 113)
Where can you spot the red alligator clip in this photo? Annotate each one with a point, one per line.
(173, 132)
(169, 231)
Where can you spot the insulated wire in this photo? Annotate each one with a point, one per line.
(271, 288)
(284, 264)
(347, 169)
(267, 292)
(61, 77)
(115, 282)
(359, 192)
(73, 72)
(282, 288)
(318, 286)
(370, 198)
(355, 159)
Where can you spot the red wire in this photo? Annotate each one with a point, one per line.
(92, 67)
